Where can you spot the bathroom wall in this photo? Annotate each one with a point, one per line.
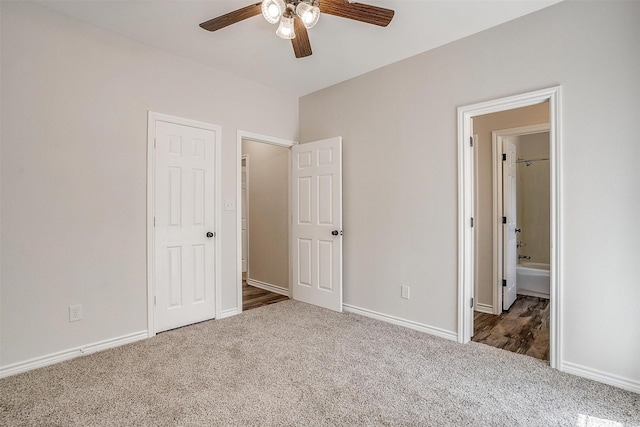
(533, 196)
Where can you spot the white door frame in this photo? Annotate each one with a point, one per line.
(152, 118)
(267, 140)
(496, 162)
(245, 158)
(465, 210)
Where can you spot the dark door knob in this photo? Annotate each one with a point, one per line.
(518, 230)
(210, 234)
(336, 232)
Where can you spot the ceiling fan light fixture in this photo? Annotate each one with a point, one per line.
(296, 16)
(272, 10)
(308, 13)
(285, 29)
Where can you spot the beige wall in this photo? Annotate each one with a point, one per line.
(533, 196)
(74, 173)
(400, 172)
(483, 126)
(268, 182)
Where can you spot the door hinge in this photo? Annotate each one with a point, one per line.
(155, 300)
(504, 157)
(471, 140)
(504, 282)
(155, 141)
(471, 222)
(154, 221)
(504, 219)
(471, 302)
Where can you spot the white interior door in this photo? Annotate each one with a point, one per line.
(317, 223)
(509, 238)
(184, 210)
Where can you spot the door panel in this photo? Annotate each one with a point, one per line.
(325, 258)
(317, 223)
(510, 249)
(184, 210)
(304, 200)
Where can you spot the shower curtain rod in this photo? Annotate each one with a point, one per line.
(531, 160)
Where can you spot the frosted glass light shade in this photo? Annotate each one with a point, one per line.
(308, 14)
(272, 10)
(285, 30)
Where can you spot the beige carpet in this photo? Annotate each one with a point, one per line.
(294, 364)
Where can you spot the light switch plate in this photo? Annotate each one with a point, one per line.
(405, 291)
(230, 205)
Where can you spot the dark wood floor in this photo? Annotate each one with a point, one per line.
(253, 297)
(523, 329)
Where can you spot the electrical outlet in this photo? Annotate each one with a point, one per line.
(405, 291)
(75, 313)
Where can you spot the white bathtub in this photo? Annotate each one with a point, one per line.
(532, 279)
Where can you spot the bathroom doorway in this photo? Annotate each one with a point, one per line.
(521, 179)
(471, 250)
(519, 316)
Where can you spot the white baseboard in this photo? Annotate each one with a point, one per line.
(603, 377)
(228, 313)
(442, 333)
(60, 356)
(268, 287)
(483, 308)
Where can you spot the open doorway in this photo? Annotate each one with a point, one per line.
(252, 295)
(264, 222)
(513, 217)
(314, 221)
(471, 298)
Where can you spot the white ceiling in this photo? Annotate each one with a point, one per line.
(342, 49)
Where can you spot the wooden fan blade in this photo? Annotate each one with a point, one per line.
(301, 44)
(232, 17)
(357, 11)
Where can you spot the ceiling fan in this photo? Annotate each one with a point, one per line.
(297, 16)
